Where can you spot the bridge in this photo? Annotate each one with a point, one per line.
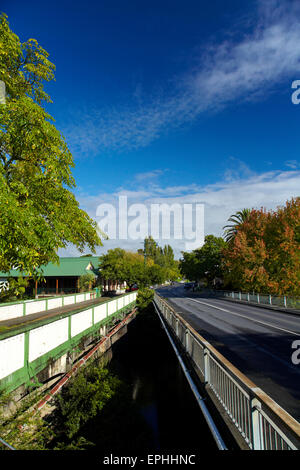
(207, 333)
(41, 340)
(235, 356)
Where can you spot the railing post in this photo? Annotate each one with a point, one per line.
(258, 298)
(258, 443)
(187, 340)
(206, 366)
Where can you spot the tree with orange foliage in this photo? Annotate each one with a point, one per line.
(264, 254)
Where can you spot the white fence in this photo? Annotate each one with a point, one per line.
(263, 299)
(21, 350)
(11, 310)
(261, 422)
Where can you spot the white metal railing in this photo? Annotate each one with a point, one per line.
(261, 422)
(263, 299)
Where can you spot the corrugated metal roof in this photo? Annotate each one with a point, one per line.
(67, 267)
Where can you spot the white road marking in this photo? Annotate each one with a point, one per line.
(243, 316)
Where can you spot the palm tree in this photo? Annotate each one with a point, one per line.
(238, 219)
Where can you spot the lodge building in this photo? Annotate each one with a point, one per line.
(63, 278)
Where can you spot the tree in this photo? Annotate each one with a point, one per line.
(121, 265)
(16, 290)
(237, 219)
(245, 256)
(86, 281)
(265, 253)
(150, 247)
(204, 263)
(38, 212)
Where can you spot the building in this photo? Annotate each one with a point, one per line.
(63, 278)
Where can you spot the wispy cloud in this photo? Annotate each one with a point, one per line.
(241, 68)
(294, 164)
(149, 175)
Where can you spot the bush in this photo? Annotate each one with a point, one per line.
(86, 281)
(144, 298)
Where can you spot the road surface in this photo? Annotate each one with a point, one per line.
(256, 340)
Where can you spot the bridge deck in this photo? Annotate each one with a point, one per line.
(256, 340)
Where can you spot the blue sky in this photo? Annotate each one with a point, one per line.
(173, 101)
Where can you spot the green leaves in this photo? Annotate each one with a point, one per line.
(38, 212)
(134, 268)
(204, 263)
(85, 397)
(236, 219)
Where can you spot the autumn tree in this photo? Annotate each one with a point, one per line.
(264, 255)
(38, 212)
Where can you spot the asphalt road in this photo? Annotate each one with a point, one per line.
(256, 340)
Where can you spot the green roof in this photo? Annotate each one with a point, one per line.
(67, 267)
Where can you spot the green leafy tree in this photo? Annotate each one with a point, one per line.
(84, 398)
(86, 281)
(205, 263)
(150, 248)
(121, 265)
(38, 212)
(16, 290)
(144, 298)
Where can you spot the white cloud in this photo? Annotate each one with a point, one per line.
(222, 199)
(149, 175)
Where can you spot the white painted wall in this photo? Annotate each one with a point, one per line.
(11, 354)
(69, 300)
(47, 337)
(33, 306)
(112, 307)
(99, 313)
(81, 321)
(54, 303)
(11, 311)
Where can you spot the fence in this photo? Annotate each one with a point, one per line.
(261, 422)
(10, 310)
(263, 299)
